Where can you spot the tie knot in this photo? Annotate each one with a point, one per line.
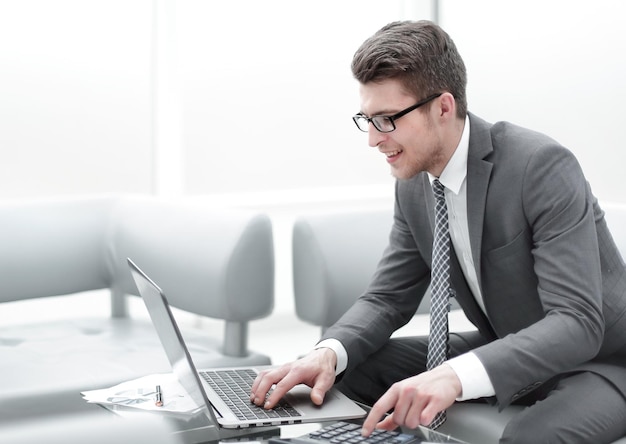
(438, 190)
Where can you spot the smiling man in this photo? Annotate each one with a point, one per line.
(518, 239)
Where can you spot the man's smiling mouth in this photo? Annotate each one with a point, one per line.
(391, 154)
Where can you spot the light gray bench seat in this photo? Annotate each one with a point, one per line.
(214, 263)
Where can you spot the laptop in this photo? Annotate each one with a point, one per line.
(221, 404)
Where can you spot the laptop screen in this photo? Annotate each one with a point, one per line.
(170, 336)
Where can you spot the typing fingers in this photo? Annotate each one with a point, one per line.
(286, 383)
(379, 409)
(323, 384)
(264, 383)
(410, 405)
(317, 370)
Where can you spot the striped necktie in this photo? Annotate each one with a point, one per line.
(440, 285)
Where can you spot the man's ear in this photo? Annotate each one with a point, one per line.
(447, 106)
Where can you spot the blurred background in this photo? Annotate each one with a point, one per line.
(249, 101)
(254, 97)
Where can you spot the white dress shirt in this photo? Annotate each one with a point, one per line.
(475, 382)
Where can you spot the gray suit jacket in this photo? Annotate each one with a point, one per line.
(552, 279)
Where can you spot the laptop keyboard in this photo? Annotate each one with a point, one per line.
(234, 387)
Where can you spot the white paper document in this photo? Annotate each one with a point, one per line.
(141, 394)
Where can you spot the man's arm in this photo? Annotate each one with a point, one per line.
(394, 293)
(340, 353)
(475, 382)
(400, 281)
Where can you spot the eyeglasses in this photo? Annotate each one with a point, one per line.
(386, 124)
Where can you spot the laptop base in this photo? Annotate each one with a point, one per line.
(197, 427)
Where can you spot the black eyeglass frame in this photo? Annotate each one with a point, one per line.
(392, 119)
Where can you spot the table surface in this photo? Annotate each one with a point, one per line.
(186, 429)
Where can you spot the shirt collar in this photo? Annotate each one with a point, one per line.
(454, 173)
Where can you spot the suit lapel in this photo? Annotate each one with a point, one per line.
(478, 174)
(467, 301)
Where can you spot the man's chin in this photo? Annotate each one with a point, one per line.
(402, 174)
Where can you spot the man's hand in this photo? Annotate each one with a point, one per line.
(415, 400)
(317, 370)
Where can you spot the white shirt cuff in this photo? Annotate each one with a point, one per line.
(340, 351)
(475, 382)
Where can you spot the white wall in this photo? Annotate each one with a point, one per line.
(249, 95)
(268, 95)
(75, 97)
(555, 66)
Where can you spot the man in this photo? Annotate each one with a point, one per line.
(532, 264)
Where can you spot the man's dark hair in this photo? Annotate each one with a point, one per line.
(419, 54)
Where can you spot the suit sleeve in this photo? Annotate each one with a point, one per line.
(391, 299)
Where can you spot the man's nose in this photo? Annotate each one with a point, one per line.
(374, 136)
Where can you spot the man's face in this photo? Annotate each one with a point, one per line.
(414, 146)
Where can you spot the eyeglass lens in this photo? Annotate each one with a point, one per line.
(381, 123)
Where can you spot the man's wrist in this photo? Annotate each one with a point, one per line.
(340, 353)
(475, 382)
